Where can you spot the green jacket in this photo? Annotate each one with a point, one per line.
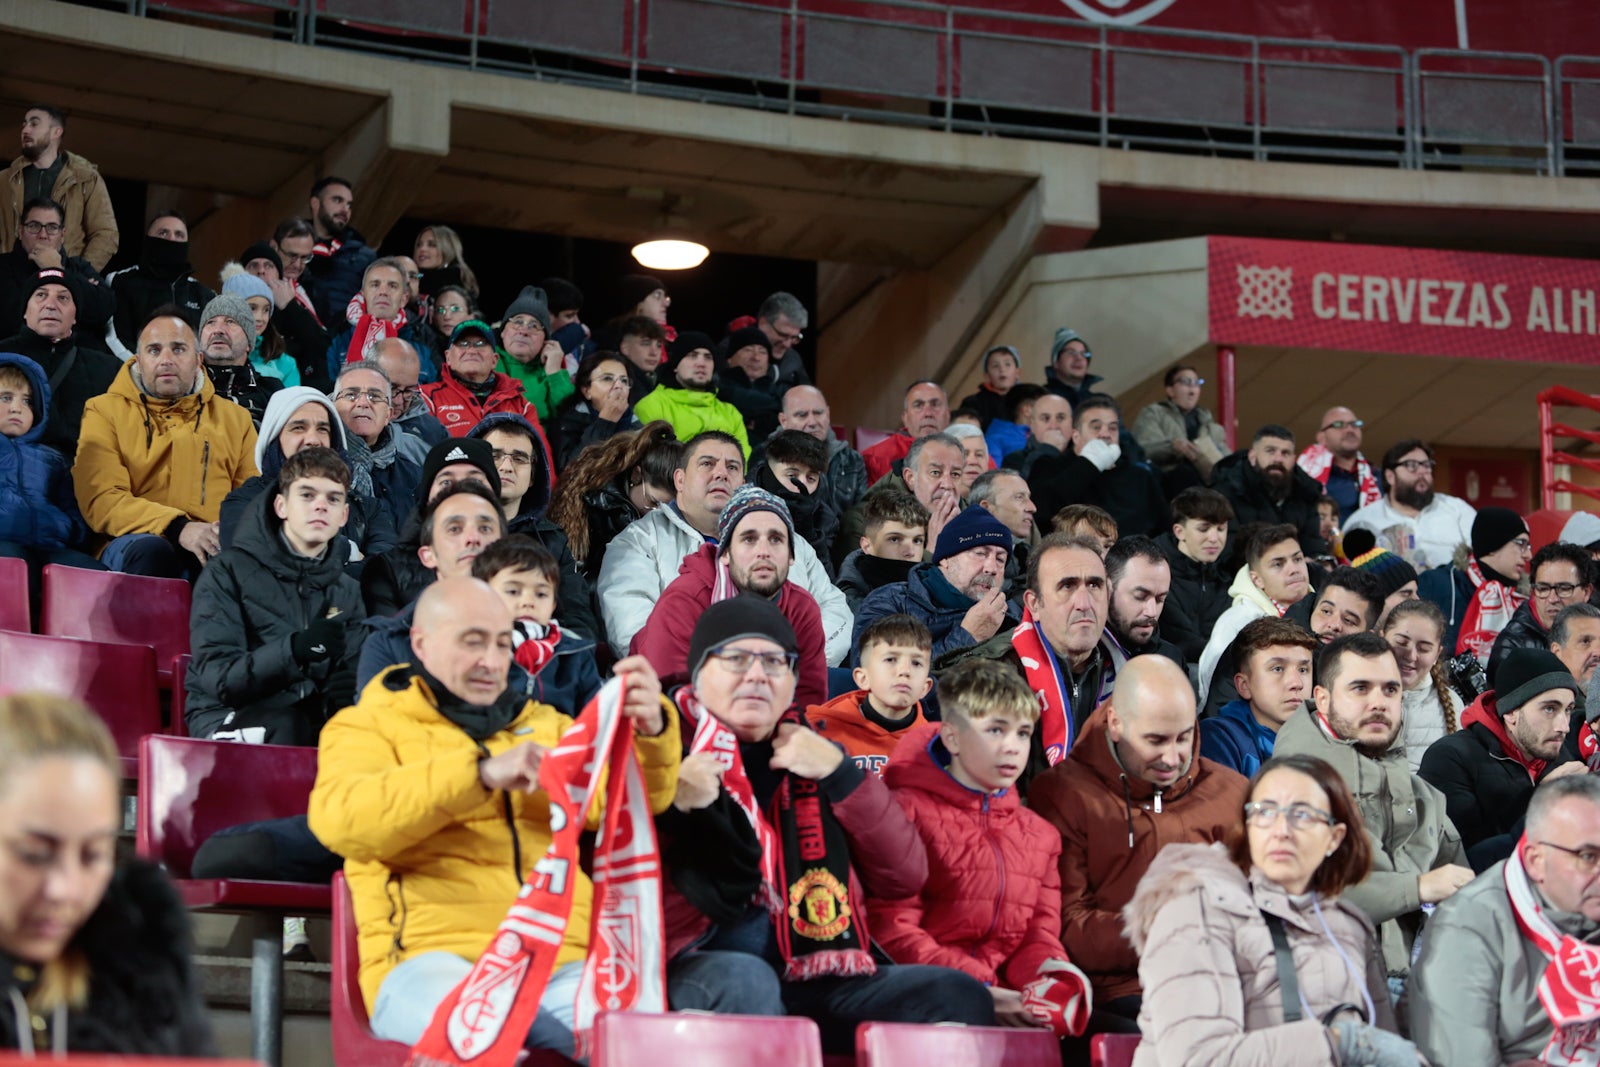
(543, 390)
(690, 412)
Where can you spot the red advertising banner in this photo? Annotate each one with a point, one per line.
(1366, 298)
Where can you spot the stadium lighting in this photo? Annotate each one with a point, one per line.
(670, 254)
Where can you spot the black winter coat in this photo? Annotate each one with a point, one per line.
(369, 527)
(1197, 599)
(577, 427)
(758, 401)
(1523, 631)
(989, 405)
(860, 574)
(1246, 490)
(249, 602)
(245, 386)
(609, 512)
(77, 374)
(144, 994)
(1130, 491)
(140, 290)
(90, 293)
(1486, 792)
(331, 281)
(306, 342)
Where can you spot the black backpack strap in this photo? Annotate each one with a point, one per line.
(1288, 981)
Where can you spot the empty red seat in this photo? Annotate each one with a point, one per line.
(866, 437)
(14, 595)
(118, 682)
(1113, 1050)
(910, 1045)
(627, 1039)
(107, 606)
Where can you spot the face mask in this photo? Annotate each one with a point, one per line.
(164, 256)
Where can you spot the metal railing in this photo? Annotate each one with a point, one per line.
(1551, 456)
(994, 73)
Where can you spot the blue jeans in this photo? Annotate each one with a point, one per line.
(149, 554)
(412, 992)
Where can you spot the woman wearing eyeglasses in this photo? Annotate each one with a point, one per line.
(1180, 437)
(1248, 956)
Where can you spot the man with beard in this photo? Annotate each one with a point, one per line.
(1561, 577)
(1417, 856)
(1511, 738)
(751, 556)
(227, 332)
(80, 370)
(691, 404)
(40, 247)
(1423, 526)
(1335, 462)
(1479, 592)
(160, 278)
(1271, 582)
(340, 256)
(1140, 580)
(1264, 485)
(45, 169)
(926, 411)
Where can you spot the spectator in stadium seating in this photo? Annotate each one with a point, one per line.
(469, 388)
(1355, 726)
(440, 257)
(381, 462)
(404, 784)
(566, 306)
(398, 360)
(76, 363)
(687, 395)
(336, 271)
(794, 469)
(303, 339)
(992, 903)
(1140, 579)
(275, 619)
(529, 356)
(451, 307)
(645, 558)
(748, 380)
(641, 341)
(1100, 471)
(376, 312)
(1411, 519)
(1511, 738)
(894, 534)
(1328, 513)
(867, 722)
(976, 453)
(1049, 435)
(1430, 707)
(806, 409)
(1087, 521)
(1136, 766)
(1575, 640)
(1505, 966)
(1561, 577)
(227, 334)
(597, 410)
(931, 468)
(45, 169)
(750, 756)
(609, 486)
(1000, 365)
(1068, 375)
(926, 411)
(560, 662)
(159, 452)
(1397, 579)
(1272, 581)
(294, 240)
(959, 595)
(1273, 679)
(1199, 591)
(1204, 922)
(99, 953)
(1481, 589)
(1181, 438)
(1336, 463)
(39, 247)
(1007, 433)
(1005, 495)
(1263, 485)
(267, 354)
(162, 277)
(782, 318)
(1583, 528)
(645, 296)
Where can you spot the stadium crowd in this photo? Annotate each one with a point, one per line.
(1028, 714)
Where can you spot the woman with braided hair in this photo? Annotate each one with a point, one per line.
(609, 485)
(1415, 630)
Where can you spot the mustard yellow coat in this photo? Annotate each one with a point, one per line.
(429, 852)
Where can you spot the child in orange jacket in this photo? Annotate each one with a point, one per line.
(868, 722)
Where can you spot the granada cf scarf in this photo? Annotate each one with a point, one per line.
(1043, 671)
(366, 330)
(1492, 605)
(1317, 461)
(486, 1018)
(535, 644)
(805, 860)
(1570, 987)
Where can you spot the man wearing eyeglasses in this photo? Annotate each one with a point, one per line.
(1562, 575)
(1411, 519)
(45, 169)
(469, 387)
(1336, 462)
(783, 319)
(380, 465)
(40, 247)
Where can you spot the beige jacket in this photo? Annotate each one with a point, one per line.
(1210, 978)
(91, 227)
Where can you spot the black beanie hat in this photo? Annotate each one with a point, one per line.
(1494, 528)
(1524, 673)
(262, 250)
(633, 288)
(48, 276)
(473, 450)
(746, 337)
(686, 342)
(736, 617)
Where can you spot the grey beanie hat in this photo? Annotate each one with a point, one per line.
(1064, 337)
(531, 301)
(232, 307)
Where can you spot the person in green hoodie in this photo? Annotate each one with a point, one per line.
(528, 355)
(691, 403)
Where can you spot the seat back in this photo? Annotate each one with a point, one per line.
(189, 789)
(14, 595)
(118, 682)
(910, 1045)
(866, 437)
(353, 1042)
(178, 726)
(107, 606)
(1113, 1050)
(625, 1039)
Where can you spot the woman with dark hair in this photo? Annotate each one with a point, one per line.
(1180, 437)
(598, 410)
(1247, 955)
(451, 306)
(610, 485)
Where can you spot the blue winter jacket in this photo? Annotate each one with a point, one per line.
(37, 505)
(1234, 739)
(339, 351)
(925, 595)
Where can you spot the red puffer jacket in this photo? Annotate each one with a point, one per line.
(454, 405)
(992, 903)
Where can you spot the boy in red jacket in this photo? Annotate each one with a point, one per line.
(992, 904)
(896, 654)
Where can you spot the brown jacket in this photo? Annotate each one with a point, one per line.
(91, 227)
(1110, 831)
(1210, 977)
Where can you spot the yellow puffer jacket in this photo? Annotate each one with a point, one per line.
(145, 463)
(429, 853)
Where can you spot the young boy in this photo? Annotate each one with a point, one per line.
(1086, 520)
(792, 470)
(561, 666)
(992, 904)
(1274, 679)
(896, 655)
(892, 542)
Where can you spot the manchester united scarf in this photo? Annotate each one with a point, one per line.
(486, 1018)
(1569, 990)
(1043, 672)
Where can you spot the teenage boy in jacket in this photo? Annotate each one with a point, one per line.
(1273, 678)
(1199, 592)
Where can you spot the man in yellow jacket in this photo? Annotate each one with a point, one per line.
(157, 453)
(429, 788)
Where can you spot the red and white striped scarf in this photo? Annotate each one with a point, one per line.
(1317, 461)
(366, 330)
(1569, 989)
(1490, 609)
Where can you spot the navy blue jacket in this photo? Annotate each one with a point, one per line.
(1234, 739)
(37, 505)
(925, 595)
(331, 281)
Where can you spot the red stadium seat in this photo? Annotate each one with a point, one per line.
(908, 1045)
(14, 595)
(107, 606)
(353, 1042)
(90, 1059)
(179, 727)
(627, 1039)
(118, 682)
(866, 437)
(1113, 1050)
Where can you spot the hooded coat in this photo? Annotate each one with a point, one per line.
(37, 505)
(1246, 489)
(1486, 783)
(1234, 739)
(1112, 826)
(1130, 491)
(1249, 603)
(927, 596)
(77, 374)
(693, 411)
(577, 426)
(758, 400)
(1406, 819)
(1210, 975)
(1196, 600)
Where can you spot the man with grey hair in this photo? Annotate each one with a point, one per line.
(399, 361)
(227, 334)
(1575, 639)
(379, 313)
(1005, 495)
(926, 410)
(782, 318)
(380, 464)
(932, 467)
(1508, 971)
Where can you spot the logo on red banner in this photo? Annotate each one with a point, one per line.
(1117, 12)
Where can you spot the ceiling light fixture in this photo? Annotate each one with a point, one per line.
(669, 254)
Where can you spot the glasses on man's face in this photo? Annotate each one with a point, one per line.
(292, 257)
(406, 392)
(792, 338)
(773, 664)
(525, 322)
(1523, 545)
(1543, 590)
(1585, 859)
(375, 397)
(1189, 381)
(36, 228)
(1340, 424)
(471, 342)
(1263, 814)
(518, 459)
(1416, 466)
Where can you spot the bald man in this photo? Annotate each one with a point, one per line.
(926, 410)
(399, 360)
(1133, 783)
(806, 409)
(1335, 460)
(429, 787)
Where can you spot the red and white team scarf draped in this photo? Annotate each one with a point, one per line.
(366, 330)
(1043, 672)
(486, 1018)
(535, 644)
(1317, 461)
(303, 298)
(1490, 609)
(1570, 987)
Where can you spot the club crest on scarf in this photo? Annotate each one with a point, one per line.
(1043, 674)
(1569, 990)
